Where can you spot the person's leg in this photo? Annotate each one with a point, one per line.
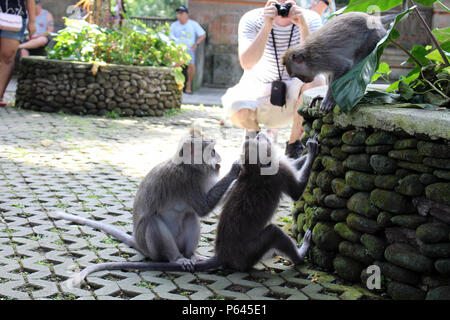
(34, 43)
(246, 119)
(8, 48)
(297, 127)
(190, 77)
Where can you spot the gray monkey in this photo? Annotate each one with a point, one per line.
(334, 49)
(244, 233)
(169, 203)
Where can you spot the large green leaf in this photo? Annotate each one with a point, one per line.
(350, 88)
(364, 5)
(442, 35)
(425, 2)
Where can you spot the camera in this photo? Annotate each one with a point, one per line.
(283, 9)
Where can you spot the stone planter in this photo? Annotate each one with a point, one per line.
(71, 87)
(394, 190)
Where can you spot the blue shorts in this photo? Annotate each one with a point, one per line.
(15, 35)
(192, 54)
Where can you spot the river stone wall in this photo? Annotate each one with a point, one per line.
(379, 194)
(71, 87)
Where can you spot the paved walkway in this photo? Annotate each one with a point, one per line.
(91, 166)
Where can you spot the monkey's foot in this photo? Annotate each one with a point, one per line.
(327, 105)
(186, 264)
(314, 101)
(306, 244)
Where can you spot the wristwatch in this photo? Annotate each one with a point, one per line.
(326, 2)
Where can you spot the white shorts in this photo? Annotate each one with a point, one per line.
(256, 96)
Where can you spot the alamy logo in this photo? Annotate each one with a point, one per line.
(374, 280)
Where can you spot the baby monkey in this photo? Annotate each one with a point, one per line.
(334, 49)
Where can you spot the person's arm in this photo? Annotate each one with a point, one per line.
(50, 23)
(322, 6)
(199, 40)
(31, 10)
(251, 52)
(297, 17)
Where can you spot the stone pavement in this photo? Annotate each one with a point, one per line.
(91, 166)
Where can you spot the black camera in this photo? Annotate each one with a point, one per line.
(283, 9)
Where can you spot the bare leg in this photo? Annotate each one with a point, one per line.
(8, 48)
(246, 119)
(297, 127)
(34, 43)
(24, 53)
(190, 77)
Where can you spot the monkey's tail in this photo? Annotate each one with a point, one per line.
(116, 233)
(78, 279)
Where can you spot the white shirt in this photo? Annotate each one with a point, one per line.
(265, 70)
(186, 33)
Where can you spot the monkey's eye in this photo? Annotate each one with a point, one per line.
(213, 153)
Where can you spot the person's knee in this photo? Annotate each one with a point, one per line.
(7, 56)
(240, 117)
(24, 53)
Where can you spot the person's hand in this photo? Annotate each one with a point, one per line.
(270, 13)
(194, 47)
(296, 13)
(31, 27)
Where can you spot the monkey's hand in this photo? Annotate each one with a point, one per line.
(306, 244)
(314, 101)
(312, 145)
(186, 264)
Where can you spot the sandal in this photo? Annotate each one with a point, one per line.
(3, 104)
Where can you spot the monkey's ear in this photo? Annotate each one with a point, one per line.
(298, 57)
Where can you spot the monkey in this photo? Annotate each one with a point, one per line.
(244, 234)
(334, 49)
(170, 201)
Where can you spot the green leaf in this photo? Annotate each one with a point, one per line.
(364, 5)
(351, 87)
(407, 80)
(436, 56)
(419, 52)
(442, 35)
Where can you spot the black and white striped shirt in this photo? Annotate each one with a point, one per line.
(266, 69)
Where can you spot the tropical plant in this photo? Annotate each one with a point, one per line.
(131, 44)
(426, 86)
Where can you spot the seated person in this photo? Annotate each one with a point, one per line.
(35, 44)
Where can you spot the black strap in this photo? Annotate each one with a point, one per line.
(275, 47)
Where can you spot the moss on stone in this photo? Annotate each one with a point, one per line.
(347, 268)
(410, 143)
(382, 164)
(411, 221)
(436, 250)
(324, 236)
(384, 219)
(443, 266)
(409, 155)
(405, 256)
(439, 192)
(358, 162)
(402, 291)
(382, 149)
(389, 201)
(324, 180)
(437, 163)
(354, 137)
(440, 293)
(340, 188)
(339, 214)
(345, 232)
(352, 149)
(360, 181)
(374, 245)
(355, 251)
(360, 203)
(337, 153)
(442, 174)
(386, 181)
(433, 232)
(427, 178)
(419, 167)
(322, 258)
(334, 201)
(363, 224)
(410, 186)
(397, 273)
(380, 138)
(432, 149)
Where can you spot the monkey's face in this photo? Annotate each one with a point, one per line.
(296, 65)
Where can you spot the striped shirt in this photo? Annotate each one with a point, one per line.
(266, 69)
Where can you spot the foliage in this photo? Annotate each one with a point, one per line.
(153, 8)
(131, 44)
(426, 86)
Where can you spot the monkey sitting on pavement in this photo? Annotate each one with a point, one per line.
(334, 49)
(169, 202)
(244, 233)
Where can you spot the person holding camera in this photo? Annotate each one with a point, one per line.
(266, 94)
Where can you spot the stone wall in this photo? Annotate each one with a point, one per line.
(379, 194)
(53, 85)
